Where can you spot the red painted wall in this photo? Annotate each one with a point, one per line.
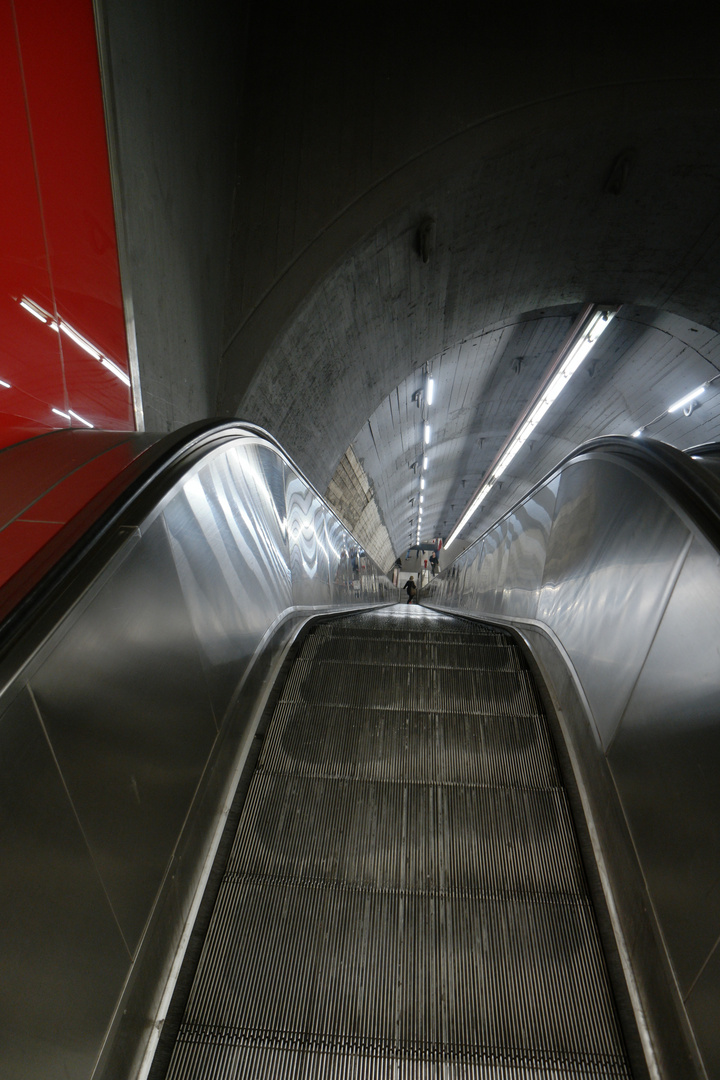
(58, 250)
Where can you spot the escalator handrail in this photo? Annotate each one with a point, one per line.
(710, 449)
(685, 481)
(34, 588)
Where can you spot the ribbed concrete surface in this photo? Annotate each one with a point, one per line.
(404, 896)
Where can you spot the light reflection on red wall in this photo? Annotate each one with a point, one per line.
(58, 247)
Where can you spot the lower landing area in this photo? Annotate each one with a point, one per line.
(405, 896)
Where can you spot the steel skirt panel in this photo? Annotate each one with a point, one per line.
(404, 896)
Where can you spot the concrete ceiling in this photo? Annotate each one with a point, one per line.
(564, 157)
(643, 363)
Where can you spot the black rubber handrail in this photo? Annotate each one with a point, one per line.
(38, 584)
(687, 482)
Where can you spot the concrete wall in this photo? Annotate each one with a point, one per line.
(172, 72)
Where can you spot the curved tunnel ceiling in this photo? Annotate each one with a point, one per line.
(553, 186)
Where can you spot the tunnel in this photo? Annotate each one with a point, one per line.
(297, 304)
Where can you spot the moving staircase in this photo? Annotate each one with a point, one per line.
(404, 896)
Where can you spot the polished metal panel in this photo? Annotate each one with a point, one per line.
(528, 531)
(57, 926)
(340, 547)
(149, 676)
(430, 926)
(309, 563)
(484, 573)
(654, 1022)
(131, 735)
(632, 608)
(702, 1006)
(665, 763)
(229, 542)
(612, 557)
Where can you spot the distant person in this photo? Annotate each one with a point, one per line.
(411, 589)
(434, 563)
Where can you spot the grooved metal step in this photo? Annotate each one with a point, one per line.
(408, 837)
(404, 896)
(489, 654)
(406, 688)
(422, 747)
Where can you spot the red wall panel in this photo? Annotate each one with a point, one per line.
(58, 246)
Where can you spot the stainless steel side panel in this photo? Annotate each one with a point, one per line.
(229, 541)
(702, 1006)
(665, 761)
(52, 904)
(127, 712)
(611, 556)
(528, 532)
(630, 591)
(120, 733)
(309, 565)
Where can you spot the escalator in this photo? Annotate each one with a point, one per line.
(404, 895)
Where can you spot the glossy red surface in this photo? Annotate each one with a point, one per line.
(47, 481)
(31, 470)
(57, 232)
(75, 491)
(20, 541)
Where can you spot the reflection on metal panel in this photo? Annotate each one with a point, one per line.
(53, 1015)
(132, 734)
(665, 761)
(136, 683)
(528, 533)
(702, 1006)
(612, 555)
(228, 540)
(306, 535)
(630, 588)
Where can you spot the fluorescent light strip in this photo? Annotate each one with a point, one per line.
(5, 384)
(425, 462)
(598, 323)
(80, 418)
(46, 317)
(117, 372)
(64, 415)
(422, 483)
(687, 399)
(427, 434)
(36, 311)
(80, 340)
(430, 391)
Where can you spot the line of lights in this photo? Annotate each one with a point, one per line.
(690, 399)
(591, 324)
(72, 415)
(427, 398)
(82, 342)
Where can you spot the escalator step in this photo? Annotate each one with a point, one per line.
(404, 688)
(434, 653)
(375, 744)
(405, 896)
(392, 972)
(408, 837)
